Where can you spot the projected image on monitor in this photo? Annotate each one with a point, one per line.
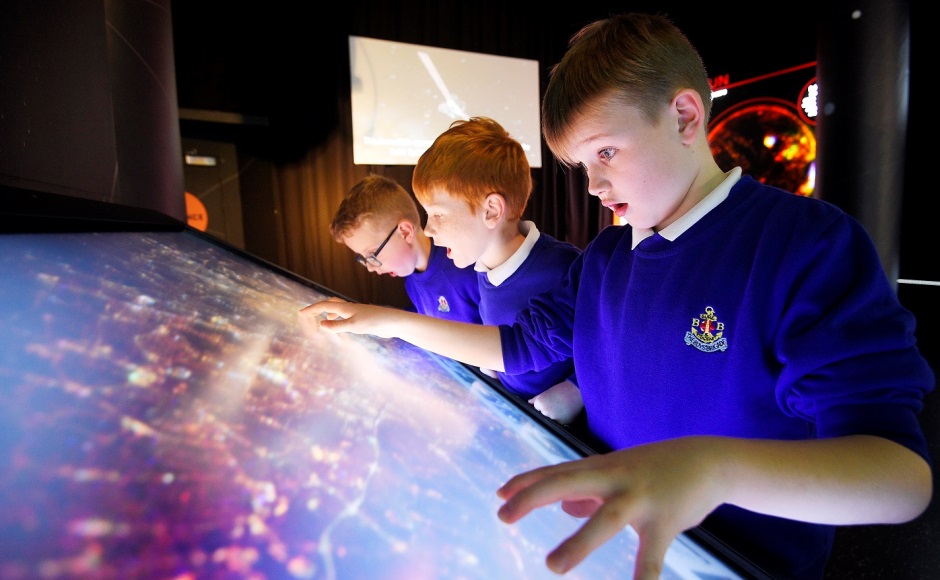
(405, 95)
(163, 414)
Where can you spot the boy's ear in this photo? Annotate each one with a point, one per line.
(407, 231)
(691, 114)
(494, 208)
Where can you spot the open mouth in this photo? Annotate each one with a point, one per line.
(620, 209)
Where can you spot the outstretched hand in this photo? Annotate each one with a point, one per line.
(659, 489)
(338, 315)
(473, 344)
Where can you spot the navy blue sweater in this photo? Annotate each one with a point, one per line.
(443, 290)
(771, 317)
(546, 265)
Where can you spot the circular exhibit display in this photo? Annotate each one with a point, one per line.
(767, 138)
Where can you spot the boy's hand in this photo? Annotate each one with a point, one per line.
(473, 344)
(659, 489)
(338, 315)
(561, 402)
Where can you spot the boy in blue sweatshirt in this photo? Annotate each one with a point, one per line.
(379, 221)
(474, 182)
(739, 348)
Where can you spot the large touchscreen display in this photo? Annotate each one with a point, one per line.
(164, 414)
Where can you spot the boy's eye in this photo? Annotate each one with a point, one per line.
(607, 153)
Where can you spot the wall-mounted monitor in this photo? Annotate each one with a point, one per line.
(405, 95)
(163, 414)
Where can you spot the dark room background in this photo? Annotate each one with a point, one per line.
(263, 88)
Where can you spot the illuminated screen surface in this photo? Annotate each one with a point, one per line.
(163, 414)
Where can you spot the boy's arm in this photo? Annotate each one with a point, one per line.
(662, 489)
(473, 344)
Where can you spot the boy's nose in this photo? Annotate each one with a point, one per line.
(595, 186)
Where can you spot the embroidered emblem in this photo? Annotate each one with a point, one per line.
(442, 305)
(706, 333)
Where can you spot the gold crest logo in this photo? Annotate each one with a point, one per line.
(707, 332)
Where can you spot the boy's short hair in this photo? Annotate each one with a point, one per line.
(640, 60)
(376, 199)
(472, 159)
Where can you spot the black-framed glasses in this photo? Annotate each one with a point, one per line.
(373, 260)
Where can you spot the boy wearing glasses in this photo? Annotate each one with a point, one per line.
(379, 221)
(474, 182)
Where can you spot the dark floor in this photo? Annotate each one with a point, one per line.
(906, 551)
(902, 552)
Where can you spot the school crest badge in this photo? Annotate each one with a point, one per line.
(707, 332)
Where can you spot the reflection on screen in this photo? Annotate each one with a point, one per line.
(163, 414)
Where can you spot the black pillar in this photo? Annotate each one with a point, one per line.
(143, 93)
(88, 102)
(863, 68)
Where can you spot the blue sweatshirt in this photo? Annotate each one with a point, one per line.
(443, 290)
(769, 317)
(539, 264)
